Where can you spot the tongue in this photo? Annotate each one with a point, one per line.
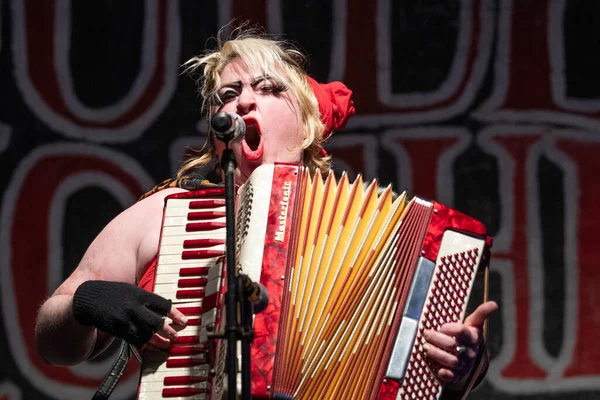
(252, 154)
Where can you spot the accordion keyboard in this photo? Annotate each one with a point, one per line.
(189, 272)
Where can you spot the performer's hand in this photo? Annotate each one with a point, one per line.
(442, 345)
(167, 333)
(126, 311)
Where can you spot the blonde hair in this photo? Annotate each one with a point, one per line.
(276, 59)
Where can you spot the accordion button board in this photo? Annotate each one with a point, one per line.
(442, 299)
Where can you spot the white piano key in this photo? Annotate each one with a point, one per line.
(160, 357)
(161, 368)
(193, 330)
(169, 259)
(190, 303)
(184, 211)
(176, 212)
(175, 221)
(158, 396)
(154, 392)
(155, 370)
(167, 278)
(179, 249)
(180, 231)
(176, 259)
(186, 202)
(156, 376)
(175, 203)
(172, 275)
(169, 289)
(175, 278)
(175, 268)
(177, 302)
(154, 386)
(178, 239)
(183, 220)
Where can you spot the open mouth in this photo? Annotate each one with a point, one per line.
(252, 146)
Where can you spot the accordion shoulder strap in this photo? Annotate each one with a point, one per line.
(112, 378)
(189, 182)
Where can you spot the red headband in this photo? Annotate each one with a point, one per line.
(335, 104)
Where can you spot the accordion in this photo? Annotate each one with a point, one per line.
(355, 275)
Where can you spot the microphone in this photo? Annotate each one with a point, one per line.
(228, 127)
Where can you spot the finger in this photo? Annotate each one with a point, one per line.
(167, 331)
(177, 316)
(156, 303)
(481, 314)
(159, 342)
(446, 375)
(440, 356)
(463, 334)
(441, 340)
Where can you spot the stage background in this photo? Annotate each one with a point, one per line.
(492, 107)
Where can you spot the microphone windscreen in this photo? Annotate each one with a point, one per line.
(221, 122)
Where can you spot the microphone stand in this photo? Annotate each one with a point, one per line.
(234, 331)
(247, 337)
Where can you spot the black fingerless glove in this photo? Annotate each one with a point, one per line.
(120, 309)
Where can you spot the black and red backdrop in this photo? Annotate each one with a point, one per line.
(492, 107)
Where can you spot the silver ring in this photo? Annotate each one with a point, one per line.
(164, 318)
(460, 350)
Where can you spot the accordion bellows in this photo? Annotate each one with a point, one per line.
(354, 278)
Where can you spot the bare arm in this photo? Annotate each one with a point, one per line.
(119, 253)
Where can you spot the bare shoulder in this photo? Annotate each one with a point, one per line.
(150, 206)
